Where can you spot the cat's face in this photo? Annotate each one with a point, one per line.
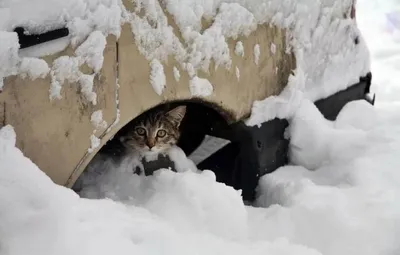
(156, 132)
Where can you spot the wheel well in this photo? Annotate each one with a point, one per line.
(201, 119)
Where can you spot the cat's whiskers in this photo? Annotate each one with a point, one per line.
(155, 133)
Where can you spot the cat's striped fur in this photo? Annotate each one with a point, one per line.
(155, 131)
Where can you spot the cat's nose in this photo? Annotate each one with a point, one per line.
(150, 144)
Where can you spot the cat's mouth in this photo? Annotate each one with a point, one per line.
(154, 149)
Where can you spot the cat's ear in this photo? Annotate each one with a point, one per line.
(176, 115)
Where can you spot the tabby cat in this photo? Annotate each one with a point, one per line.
(155, 131)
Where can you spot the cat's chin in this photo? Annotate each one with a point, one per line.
(152, 151)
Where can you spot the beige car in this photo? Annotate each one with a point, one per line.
(63, 134)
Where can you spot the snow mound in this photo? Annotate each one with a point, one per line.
(316, 141)
(172, 213)
(348, 198)
(346, 205)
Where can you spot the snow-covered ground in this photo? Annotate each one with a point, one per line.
(341, 200)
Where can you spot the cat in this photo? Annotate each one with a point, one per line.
(151, 135)
(155, 131)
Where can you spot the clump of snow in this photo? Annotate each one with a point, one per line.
(94, 143)
(86, 85)
(177, 75)
(153, 35)
(200, 87)
(8, 55)
(87, 22)
(190, 69)
(8, 138)
(64, 68)
(273, 48)
(182, 163)
(256, 53)
(231, 21)
(33, 68)
(235, 20)
(157, 76)
(239, 49)
(97, 119)
(282, 106)
(237, 73)
(91, 50)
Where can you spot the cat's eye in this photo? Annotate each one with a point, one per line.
(161, 133)
(140, 131)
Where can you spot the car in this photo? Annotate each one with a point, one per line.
(77, 81)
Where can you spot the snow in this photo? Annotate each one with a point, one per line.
(33, 68)
(282, 106)
(86, 84)
(231, 21)
(308, 128)
(273, 48)
(381, 33)
(182, 163)
(97, 119)
(310, 26)
(94, 143)
(346, 206)
(50, 219)
(256, 53)
(8, 55)
(237, 72)
(86, 20)
(350, 195)
(157, 76)
(91, 51)
(239, 50)
(64, 68)
(338, 196)
(200, 87)
(177, 75)
(154, 38)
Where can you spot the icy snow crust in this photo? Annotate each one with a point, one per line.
(322, 40)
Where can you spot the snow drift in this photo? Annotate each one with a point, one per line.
(346, 205)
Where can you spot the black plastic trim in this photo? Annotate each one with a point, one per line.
(28, 40)
(332, 105)
(256, 151)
